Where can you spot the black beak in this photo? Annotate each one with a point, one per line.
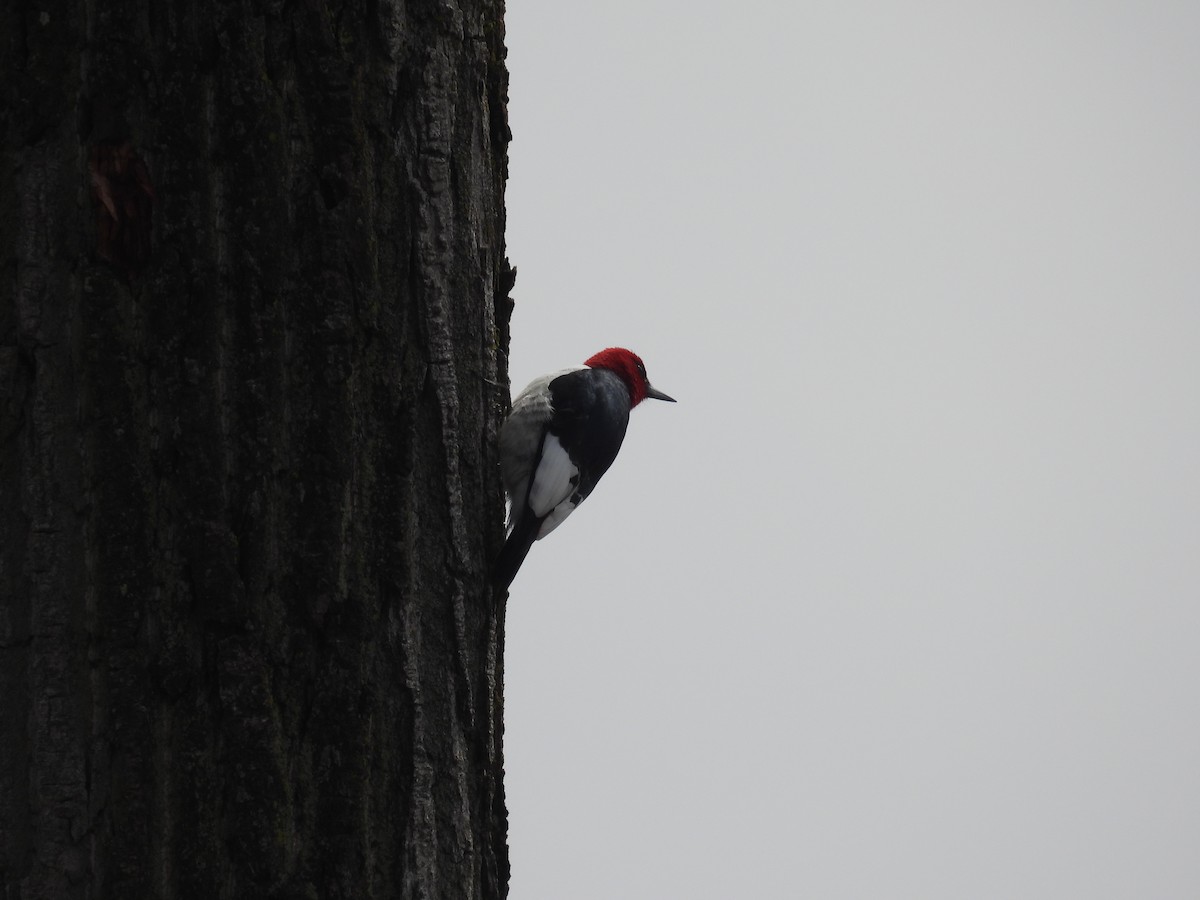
(658, 395)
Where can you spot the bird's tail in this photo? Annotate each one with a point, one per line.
(516, 548)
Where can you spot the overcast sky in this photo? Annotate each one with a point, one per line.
(902, 598)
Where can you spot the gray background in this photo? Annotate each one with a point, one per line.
(902, 598)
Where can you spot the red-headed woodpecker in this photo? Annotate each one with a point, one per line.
(563, 433)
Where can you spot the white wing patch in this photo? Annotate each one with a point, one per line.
(555, 479)
(553, 520)
(522, 432)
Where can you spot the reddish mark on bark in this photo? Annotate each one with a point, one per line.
(124, 202)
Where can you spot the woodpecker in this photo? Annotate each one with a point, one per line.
(563, 433)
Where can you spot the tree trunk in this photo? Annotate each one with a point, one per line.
(252, 318)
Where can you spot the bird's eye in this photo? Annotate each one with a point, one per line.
(642, 369)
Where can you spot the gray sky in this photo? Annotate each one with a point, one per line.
(902, 598)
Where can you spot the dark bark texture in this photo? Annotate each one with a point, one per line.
(253, 316)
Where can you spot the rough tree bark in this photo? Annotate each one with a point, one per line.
(253, 312)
